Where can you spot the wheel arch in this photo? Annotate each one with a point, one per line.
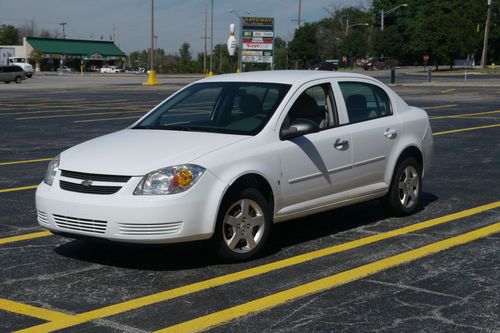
(410, 150)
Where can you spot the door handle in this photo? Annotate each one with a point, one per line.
(390, 133)
(341, 144)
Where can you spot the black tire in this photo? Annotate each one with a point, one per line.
(394, 200)
(7, 82)
(231, 206)
(29, 76)
(19, 79)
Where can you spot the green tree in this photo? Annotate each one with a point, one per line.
(9, 35)
(185, 65)
(354, 46)
(303, 49)
(37, 56)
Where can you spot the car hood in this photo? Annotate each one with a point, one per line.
(135, 152)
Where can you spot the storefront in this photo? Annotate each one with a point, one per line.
(51, 53)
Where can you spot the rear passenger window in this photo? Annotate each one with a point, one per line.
(364, 101)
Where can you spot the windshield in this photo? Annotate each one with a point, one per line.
(222, 107)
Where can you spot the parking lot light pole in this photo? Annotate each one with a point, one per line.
(152, 74)
(486, 36)
(384, 13)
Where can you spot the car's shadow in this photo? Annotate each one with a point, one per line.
(195, 254)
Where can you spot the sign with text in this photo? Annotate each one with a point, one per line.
(257, 36)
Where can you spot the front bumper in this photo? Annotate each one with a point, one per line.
(129, 218)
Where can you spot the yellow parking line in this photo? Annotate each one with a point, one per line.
(32, 311)
(78, 115)
(78, 109)
(465, 129)
(26, 161)
(105, 119)
(221, 317)
(19, 238)
(248, 273)
(440, 107)
(464, 115)
(14, 189)
(447, 91)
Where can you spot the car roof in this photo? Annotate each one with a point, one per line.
(284, 76)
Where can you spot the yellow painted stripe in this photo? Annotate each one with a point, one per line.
(464, 115)
(79, 115)
(105, 119)
(465, 129)
(440, 107)
(15, 189)
(32, 311)
(447, 91)
(268, 302)
(19, 238)
(248, 273)
(26, 161)
(82, 109)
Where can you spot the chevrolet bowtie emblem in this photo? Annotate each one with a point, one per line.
(87, 182)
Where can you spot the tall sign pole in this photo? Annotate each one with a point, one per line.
(486, 36)
(211, 73)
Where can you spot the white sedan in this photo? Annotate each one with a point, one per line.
(227, 156)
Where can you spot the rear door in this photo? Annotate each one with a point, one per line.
(375, 131)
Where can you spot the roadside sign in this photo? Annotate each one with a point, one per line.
(344, 58)
(257, 35)
(426, 57)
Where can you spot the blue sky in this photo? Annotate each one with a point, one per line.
(176, 20)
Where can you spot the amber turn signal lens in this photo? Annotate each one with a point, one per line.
(184, 178)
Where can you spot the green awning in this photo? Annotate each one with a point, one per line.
(75, 47)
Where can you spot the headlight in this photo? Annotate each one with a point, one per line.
(52, 170)
(169, 180)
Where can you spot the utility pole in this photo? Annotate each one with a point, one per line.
(114, 32)
(211, 73)
(298, 16)
(484, 56)
(64, 32)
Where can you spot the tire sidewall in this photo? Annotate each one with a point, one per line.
(218, 243)
(391, 201)
(18, 79)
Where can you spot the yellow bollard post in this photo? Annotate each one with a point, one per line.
(151, 79)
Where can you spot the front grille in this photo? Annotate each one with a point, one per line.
(42, 217)
(75, 223)
(95, 177)
(73, 187)
(152, 229)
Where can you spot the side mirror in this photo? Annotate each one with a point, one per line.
(299, 127)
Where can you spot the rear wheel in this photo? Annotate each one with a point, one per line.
(405, 191)
(19, 79)
(7, 82)
(243, 225)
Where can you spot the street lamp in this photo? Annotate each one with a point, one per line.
(354, 25)
(384, 13)
(240, 42)
(152, 74)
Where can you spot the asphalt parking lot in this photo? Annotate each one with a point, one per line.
(353, 269)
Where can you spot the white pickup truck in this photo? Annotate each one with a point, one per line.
(110, 69)
(21, 62)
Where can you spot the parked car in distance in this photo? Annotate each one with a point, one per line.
(65, 69)
(227, 156)
(94, 69)
(12, 73)
(325, 66)
(110, 69)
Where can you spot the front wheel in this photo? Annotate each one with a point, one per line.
(243, 225)
(405, 191)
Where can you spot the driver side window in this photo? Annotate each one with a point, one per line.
(314, 104)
